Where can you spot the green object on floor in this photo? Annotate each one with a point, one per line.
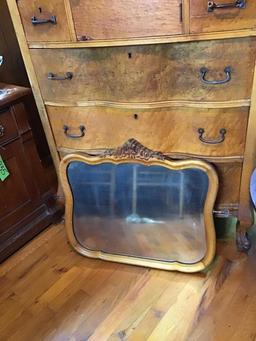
(4, 173)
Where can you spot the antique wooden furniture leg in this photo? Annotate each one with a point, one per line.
(245, 217)
(245, 213)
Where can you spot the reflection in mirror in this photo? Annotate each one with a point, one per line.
(140, 210)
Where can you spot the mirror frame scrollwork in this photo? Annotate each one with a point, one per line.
(134, 152)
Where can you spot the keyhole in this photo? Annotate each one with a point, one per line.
(135, 116)
(130, 55)
(40, 9)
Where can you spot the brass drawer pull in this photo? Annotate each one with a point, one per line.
(53, 77)
(237, 4)
(72, 136)
(220, 139)
(51, 20)
(2, 129)
(204, 70)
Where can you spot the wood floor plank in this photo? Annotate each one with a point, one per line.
(48, 292)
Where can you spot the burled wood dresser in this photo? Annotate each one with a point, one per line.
(177, 75)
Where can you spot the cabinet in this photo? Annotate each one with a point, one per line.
(27, 200)
(179, 76)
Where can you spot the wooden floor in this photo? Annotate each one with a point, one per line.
(48, 292)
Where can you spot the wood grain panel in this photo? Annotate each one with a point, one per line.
(166, 130)
(44, 9)
(229, 184)
(221, 19)
(18, 192)
(103, 19)
(148, 73)
(8, 126)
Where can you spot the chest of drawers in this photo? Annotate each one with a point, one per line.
(177, 75)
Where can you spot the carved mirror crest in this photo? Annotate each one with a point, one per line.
(137, 206)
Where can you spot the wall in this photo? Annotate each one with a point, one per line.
(13, 70)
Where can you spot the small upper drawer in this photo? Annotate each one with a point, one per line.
(203, 132)
(104, 19)
(222, 15)
(218, 70)
(8, 126)
(44, 20)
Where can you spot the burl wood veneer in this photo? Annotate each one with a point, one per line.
(153, 128)
(126, 19)
(147, 73)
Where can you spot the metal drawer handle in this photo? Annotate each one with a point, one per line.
(237, 4)
(220, 139)
(53, 77)
(204, 70)
(72, 136)
(51, 20)
(2, 129)
(225, 213)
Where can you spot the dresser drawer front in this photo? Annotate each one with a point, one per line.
(167, 130)
(99, 19)
(205, 17)
(148, 73)
(44, 20)
(8, 126)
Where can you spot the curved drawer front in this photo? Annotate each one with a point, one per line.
(167, 130)
(184, 71)
(99, 19)
(211, 16)
(44, 20)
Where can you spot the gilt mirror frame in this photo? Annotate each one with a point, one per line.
(133, 152)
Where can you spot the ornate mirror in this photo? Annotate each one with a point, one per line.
(136, 206)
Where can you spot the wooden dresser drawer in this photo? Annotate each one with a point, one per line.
(148, 73)
(44, 20)
(167, 130)
(205, 17)
(100, 19)
(8, 126)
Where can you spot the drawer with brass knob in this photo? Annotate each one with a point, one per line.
(44, 20)
(220, 70)
(202, 132)
(222, 15)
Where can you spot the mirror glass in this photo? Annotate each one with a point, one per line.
(139, 210)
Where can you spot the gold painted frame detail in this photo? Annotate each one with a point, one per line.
(133, 152)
